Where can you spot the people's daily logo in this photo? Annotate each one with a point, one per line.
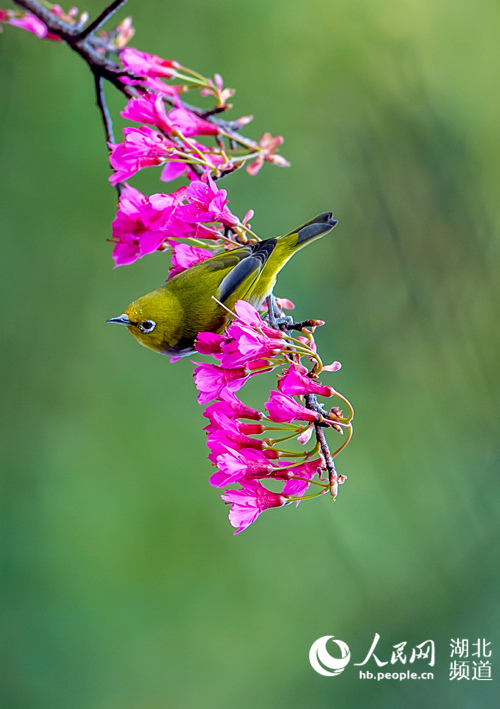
(323, 662)
(402, 661)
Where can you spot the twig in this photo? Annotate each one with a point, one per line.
(82, 45)
(311, 400)
(312, 403)
(106, 118)
(301, 325)
(105, 15)
(86, 45)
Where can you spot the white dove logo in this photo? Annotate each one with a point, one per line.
(320, 658)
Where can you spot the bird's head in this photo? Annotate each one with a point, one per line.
(151, 322)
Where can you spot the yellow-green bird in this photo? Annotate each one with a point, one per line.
(169, 319)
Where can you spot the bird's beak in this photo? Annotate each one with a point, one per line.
(121, 320)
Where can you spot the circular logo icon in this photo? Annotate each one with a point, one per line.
(321, 660)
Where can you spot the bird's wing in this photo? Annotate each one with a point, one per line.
(248, 264)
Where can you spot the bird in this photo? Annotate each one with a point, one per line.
(199, 299)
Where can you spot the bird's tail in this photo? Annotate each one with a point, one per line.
(311, 230)
(274, 254)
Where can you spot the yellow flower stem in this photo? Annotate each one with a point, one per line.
(294, 498)
(339, 396)
(247, 229)
(189, 79)
(191, 144)
(194, 73)
(292, 454)
(349, 436)
(193, 240)
(283, 427)
(306, 351)
(285, 438)
(313, 482)
(182, 157)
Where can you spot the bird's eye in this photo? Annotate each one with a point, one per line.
(147, 326)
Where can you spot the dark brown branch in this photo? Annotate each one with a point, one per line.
(312, 403)
(86, 45)
(81, 45)
(103, 108)
(105, 15)
(106, 117)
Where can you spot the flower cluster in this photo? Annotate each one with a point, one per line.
(182, 221)
(241, 454)
(167, 138)
(192, 223)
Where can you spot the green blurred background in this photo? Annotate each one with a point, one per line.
(123, 586)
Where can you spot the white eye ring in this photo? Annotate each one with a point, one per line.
(147, 326)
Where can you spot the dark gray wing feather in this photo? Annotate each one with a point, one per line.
(253, 263)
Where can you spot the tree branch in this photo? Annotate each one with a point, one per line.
(106, 118)
(85, 44)
(105, 15)
(312, 403)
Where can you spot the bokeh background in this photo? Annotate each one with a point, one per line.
(123, 586)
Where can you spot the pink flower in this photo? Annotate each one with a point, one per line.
(285, 304)
(30, 23)
(153, 68)
(268, 146)
(211, 379)
(141, 224)
(248, 503)
(165, 207)
(189, 124)
(207, 204)
(204, 232)
(233, 426)
(177, 168)
(216, 88)
(129, 225)
(307, 470)
(236, 464)
(144, 64)
(295, 382)
(333, 367)
(284, 409)
(249, 316)
(306, 435)
(143, 147)
(124, 32)
(222, 416)
(220, 441)
(253, 345)
(148, 108)
(185, 256)
(208, 343)
(248, 343)
(239, 408)
(249, 338)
